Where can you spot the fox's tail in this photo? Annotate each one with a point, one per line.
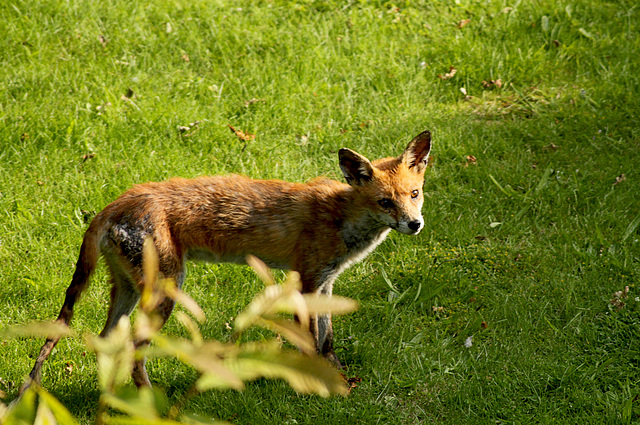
(86, 265)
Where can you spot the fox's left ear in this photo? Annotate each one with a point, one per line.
(356, 168)
(416, 155)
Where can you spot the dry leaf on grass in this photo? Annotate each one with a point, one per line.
(245, 137)
(248, 103)
(471, 160)
(303, 139)
(450, 74)
(101, 108)
(492, 84)
(188, 130)
(463, 23)
(620, 179)
(552, 147)
(352, 382)
(619, 297)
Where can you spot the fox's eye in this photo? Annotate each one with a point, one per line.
(386, 203)
(415, 193)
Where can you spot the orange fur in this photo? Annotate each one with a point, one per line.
(317, 228)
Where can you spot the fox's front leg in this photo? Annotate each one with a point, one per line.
(320, 324)
(322, 331)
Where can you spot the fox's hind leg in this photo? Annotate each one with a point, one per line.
(125, 294)
(162, 311)
(139, 374)
(128, 282)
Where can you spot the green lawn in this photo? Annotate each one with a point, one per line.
(532, 204)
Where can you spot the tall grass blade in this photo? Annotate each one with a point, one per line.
(631, 228)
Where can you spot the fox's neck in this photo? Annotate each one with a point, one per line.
(363, 233)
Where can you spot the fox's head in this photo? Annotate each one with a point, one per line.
(391, 188)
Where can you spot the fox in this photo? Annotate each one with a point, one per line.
(317, 229)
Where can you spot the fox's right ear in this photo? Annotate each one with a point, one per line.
(356, 168)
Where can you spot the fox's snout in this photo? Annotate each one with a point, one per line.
(411, 227)
(415, 226)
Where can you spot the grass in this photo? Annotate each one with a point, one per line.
(525, 243)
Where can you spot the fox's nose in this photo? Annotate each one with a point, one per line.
(414, 225)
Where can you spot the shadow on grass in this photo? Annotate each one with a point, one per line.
(80, 398)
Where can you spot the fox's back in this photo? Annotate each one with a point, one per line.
(224, 218)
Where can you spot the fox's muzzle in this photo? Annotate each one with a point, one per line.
(412, 227)
(415, 226)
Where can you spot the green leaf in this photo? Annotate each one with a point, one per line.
(325, 304)
(149, 299)
(23, 409)
(61, 414)
(183, 299)
(213, 381)
(493, 179)
(293, 331)
(388, 282)
(261, 269)
(156, 288)
(585, 33)
(544, 23)
(144, 403)
(284, 298)
(632, 228)
(38, 329)
(305, 374)
(128, 420)
(115, 354)
(37, 406)
(191, 326)
(146, 326)
(543, 181)
(206, 358)
(44, 416)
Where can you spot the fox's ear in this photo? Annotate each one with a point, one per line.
(356, 168)
(416, 155)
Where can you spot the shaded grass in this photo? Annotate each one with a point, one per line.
(522, 251)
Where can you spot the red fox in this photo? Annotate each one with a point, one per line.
(317, 228)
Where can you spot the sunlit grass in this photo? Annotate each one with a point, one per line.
(531, 203)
